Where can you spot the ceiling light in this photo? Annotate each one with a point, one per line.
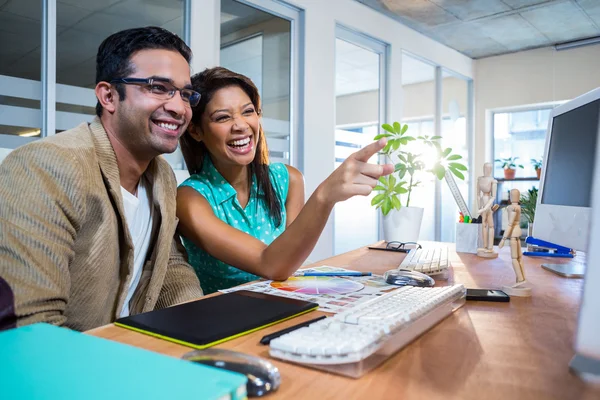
(30, 133)
(577, 43)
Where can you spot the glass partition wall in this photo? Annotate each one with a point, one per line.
(360, 85)
(258, 44)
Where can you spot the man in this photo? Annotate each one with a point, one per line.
(87, 217)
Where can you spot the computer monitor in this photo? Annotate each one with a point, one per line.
(586, 362)
(563, 210)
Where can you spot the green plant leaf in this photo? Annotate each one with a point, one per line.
(439, 171)
(457, 173)
(381, 135)
(404, 129)
(454, 157)
(386, 207)
(436, 137)
(378, 199)
(396, 202)
(520, 166)
(391, 181)
(397, 143)
(388, 128)
(408, 138)
(379, 188)
(457, 166)
(446, 152)
(387, 147)
(383, 180)
(397, 127)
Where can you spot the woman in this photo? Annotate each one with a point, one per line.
(242, 218)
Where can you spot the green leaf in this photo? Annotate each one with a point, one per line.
(387, 147)
(401, 157)
(396, 202)
(436, 137)
(401, 190)
(378, 199)
(399, 186)
(397, 144)
(420, 137)
(397, 127)
(404, 129)
(408, 138)
(446, 152)
(457, 173)
(457, 166)
(454, 157)
(383, 180)
(379, 187)
(388, 128)
(386, 207)
(402, 173)
(437, 146)
(392, 181)
(439, 171)
(381, 135)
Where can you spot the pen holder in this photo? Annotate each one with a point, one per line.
(468, 238)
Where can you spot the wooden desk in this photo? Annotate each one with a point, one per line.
(516, 350)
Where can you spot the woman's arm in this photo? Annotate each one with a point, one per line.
(287, 252)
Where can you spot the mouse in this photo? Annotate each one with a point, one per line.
(406, 277)
(263, 376)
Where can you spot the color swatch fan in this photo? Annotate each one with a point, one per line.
(318, 285)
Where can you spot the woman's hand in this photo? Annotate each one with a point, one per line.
(355, 176)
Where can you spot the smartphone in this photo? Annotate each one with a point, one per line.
(487, 295)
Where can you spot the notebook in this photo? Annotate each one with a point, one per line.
(43, 361)
(207, 322)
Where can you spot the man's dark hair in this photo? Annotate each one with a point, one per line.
(114, 53)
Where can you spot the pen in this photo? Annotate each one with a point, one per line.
(267, 338)
(343, 273)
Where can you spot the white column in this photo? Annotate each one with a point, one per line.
(319, 111)
(48, 68)
(205, 33)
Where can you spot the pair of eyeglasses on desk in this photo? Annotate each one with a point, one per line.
(402, 247)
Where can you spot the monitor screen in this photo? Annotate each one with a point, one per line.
(569, 174)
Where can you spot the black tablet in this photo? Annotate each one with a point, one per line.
(207, 322)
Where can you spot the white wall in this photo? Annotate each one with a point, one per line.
(320, 18)
(529, 77)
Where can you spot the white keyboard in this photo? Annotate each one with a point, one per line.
(428, 260)
(385, 323)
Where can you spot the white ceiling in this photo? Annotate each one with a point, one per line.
(483, 28)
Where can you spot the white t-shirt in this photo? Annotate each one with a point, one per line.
(139, 213)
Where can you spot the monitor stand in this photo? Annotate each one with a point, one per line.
(572, 269)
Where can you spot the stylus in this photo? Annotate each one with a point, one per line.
(267, 338)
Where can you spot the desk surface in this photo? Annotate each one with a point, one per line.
(516, 350)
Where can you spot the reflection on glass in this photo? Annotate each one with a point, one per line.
(357, 120)
(20, 49)
(257, 44)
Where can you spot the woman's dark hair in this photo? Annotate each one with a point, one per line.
(114, 53)
(207, 83)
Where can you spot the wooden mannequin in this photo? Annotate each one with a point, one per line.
(513, 233)
(486, 189)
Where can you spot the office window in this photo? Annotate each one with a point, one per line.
(258, 44)
(358, 80)
(520, 134)
(418, 84)
(20, 49)
(455, 97)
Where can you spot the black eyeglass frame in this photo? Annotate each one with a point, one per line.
(400, 246)
(193, 99)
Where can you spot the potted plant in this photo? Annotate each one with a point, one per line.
(537, 165)
(509, 165)
(528, 202)
(401, 222)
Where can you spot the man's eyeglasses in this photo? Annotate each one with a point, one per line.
(162, 89)
(403, 247)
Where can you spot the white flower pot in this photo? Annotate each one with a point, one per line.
(403, 225)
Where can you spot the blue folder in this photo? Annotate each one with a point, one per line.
(43, 361)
